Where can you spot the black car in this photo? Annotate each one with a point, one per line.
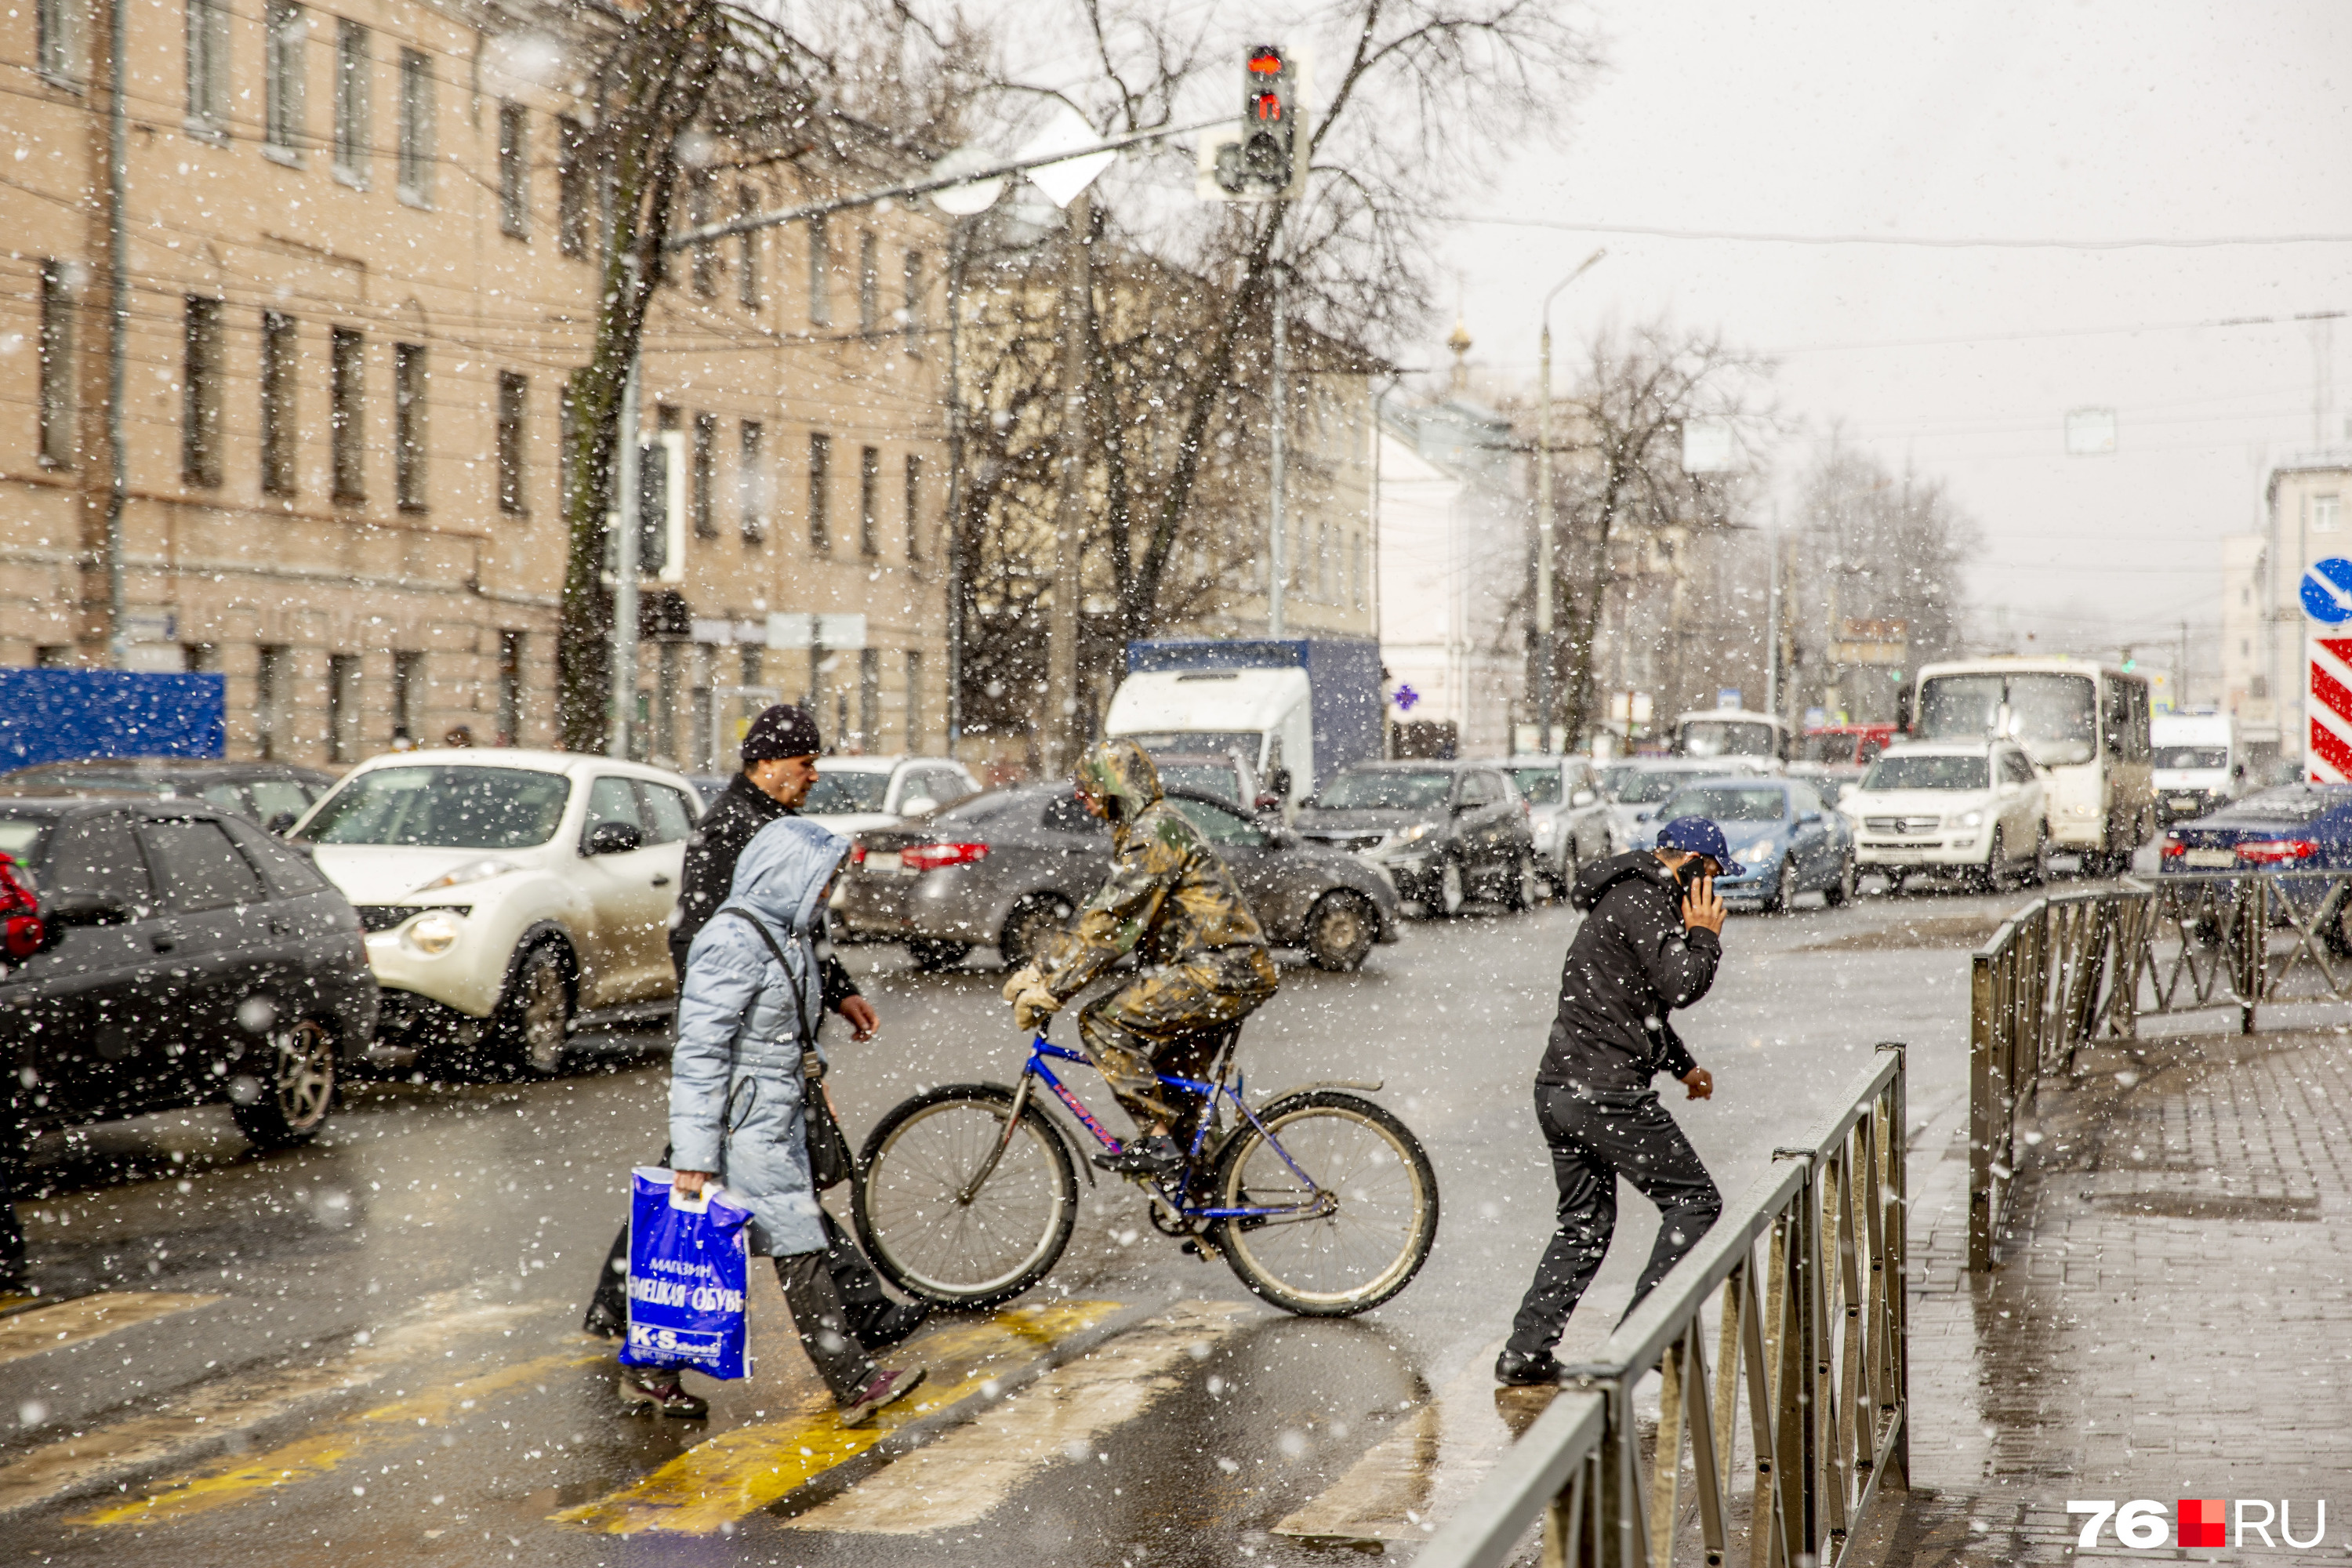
(1446, 831)
(272, 793)
(193, 958)
(1010, 867)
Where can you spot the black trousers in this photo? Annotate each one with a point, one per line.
(1596, 1138)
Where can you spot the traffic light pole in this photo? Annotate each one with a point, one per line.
(1546, 635)
(1277, 565)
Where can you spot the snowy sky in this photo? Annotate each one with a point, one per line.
(2092, 122)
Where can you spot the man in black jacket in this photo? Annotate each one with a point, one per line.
(1650, 943)
(780, 751)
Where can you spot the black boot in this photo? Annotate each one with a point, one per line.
(1153, 1155)
(1515, 1370)
(892, 1325)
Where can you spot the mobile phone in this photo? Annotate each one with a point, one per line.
(1689, 873)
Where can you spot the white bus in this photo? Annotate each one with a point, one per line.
(2085, 725)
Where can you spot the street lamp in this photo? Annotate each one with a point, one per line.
(1544, 634)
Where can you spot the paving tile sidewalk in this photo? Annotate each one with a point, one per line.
(2172, 1317)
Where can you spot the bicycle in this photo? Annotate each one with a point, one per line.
(1322, 1201)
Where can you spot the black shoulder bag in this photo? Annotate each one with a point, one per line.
(831, 1160)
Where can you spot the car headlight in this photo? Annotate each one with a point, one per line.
(1543, 831)
(481, 870)
(1965, 819)
(1413, 835)
(433, 932)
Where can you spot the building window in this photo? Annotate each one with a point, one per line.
(208, 68)
(347, 408)
(819, 525)
(279, 358)
(819, 274)
(60, 44)
(869, 283)
(705, 266)
(511, 687)
(57, 436)
(285, 35)
(869, 486)
(913, 311)
(342, 708)
(351, 67)
(703, 460)
(752, 482)
(416, 175)
(407, 690)
(408, 451)
(514, 392)
(514, 169)
(914, 507)
(271, 687)
(574, 197)
(747, 263)
(200, 382)
(2326, 514)
(915, 701)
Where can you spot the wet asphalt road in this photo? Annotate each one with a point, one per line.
(367, 1351)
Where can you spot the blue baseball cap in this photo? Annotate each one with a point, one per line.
(1699, 836)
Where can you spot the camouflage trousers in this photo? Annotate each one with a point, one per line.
(1170, 1018)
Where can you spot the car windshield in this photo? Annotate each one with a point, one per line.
(126, 782)
(2053, 716)
(443, 808)
(1540, 786)
(20, 838)
(1728, 803)
(1385, 789)
(1206, 777)
(2192, 757)
(1724, 738)
(1927, 773)
(1199, 742)
(1641, 787)
(2290, 803)
(846, 791)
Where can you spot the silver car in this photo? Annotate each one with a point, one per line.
(1010, 867)
(1637, 786)
(1566, 813)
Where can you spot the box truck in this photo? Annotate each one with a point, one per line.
(1297, 709)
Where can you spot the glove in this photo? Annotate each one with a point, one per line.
(1034, 1007)
(1026, 978)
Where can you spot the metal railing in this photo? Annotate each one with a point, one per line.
(2072, 969)
(1799, 1287)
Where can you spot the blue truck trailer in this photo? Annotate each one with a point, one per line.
(1307, 707)
(64, 715)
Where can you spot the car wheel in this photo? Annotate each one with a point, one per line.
(534, 1025)
(1784, 890)
(1839, 891)
(2037, 870)
(1034, 921)
(1340, 930)
(291, 1106)
(1452, 894)
(930, 954)
(1522, 888)
(1988, 880)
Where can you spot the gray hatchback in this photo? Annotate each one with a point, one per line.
(1010, 867)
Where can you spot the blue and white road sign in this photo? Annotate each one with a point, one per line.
(2327, 591)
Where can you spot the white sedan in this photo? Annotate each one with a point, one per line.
(1972, 808)
(509, 897)
(853, 794)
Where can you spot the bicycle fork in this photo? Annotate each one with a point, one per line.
(1011, 1125)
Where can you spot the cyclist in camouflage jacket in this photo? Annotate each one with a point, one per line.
(1203, 958)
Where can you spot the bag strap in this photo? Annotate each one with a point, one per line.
(800, 996)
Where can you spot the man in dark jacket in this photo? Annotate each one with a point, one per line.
(1650, 943)
(780, 751)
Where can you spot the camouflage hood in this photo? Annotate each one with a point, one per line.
(1121, 772)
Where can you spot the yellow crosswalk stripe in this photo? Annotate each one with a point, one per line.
(715, 1483)
(86, 1317)
(967, 1474)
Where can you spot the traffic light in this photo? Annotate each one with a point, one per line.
(1268, 161)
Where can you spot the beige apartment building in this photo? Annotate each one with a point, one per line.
(362, 268)
(2264, 627)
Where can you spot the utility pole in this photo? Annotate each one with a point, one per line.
(958, 245)
(1547, 638)
(118, 336)
(1070, 512)
(2180, 675)
(1277, 561)
(1772, 620)
(624, 572)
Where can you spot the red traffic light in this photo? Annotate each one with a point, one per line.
(1267, 62)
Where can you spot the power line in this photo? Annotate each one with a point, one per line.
(1912, 241)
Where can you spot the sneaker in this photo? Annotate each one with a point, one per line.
(1157, 1155)
(893, 1324)
(656, 1391)
(1514, 1370)
(888, 1385)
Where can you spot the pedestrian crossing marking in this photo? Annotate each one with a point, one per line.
(966, 1475)
(715, 1483)
(87, 1318)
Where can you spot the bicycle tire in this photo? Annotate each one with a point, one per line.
(1270, 1258)
(916, 1159)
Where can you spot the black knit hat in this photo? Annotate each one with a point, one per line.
(784, 731)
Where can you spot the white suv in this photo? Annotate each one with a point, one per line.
(509, 897)
(853, 794)
(1974, 808)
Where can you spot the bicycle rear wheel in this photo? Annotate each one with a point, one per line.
(1379, 1213)
(918, 1228)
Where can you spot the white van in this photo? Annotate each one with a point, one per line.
(1265, 714)
(2197, 763)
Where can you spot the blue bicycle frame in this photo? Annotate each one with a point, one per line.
(1042, 1050)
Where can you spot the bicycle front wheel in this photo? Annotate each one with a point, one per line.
(937, 1240)
(1351, 1198)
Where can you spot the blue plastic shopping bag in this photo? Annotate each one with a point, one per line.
(687, 1257)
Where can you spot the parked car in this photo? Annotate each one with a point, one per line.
(1975, 807)
(1566, 815)
(1786, 840)
(1854, 746)
(1445, 832)
(2296, 826)
(1635, 788)
(271, 794)
(1010, 867)
(191, 959)
(510, 898)
(853, 793)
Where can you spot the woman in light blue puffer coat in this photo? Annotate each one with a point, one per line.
(746, 1023)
